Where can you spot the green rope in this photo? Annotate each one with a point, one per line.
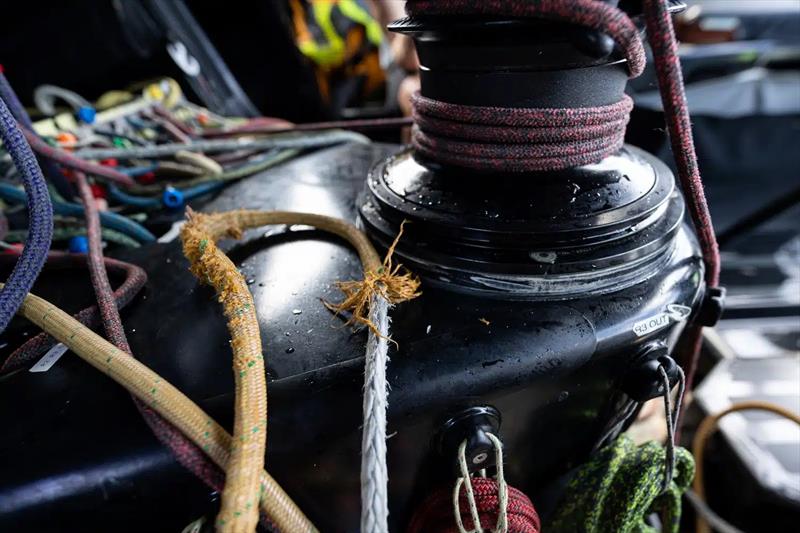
(620, 486)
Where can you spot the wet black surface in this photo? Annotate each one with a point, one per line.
(76, 453)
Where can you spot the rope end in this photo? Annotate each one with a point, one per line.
(395, 284)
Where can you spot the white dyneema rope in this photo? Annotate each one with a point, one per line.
(374, 474)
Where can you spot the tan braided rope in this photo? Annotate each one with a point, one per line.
(164, 398)
(210, 264)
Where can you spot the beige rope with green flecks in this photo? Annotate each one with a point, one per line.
(165, 399)
(210, 264)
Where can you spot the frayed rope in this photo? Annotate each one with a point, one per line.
(394, 283)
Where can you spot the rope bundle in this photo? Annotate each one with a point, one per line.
(382, 285)
(435, 515)
(483, 503)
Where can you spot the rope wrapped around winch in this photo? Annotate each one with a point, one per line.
(526, 140)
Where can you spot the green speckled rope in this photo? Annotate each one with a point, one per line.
(162, 397)
(620, 486)
(238, 510)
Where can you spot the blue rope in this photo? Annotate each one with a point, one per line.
(107, 219)
(51, 170)
(40, 214)
(137, 171)
(144, 202)
(191, 193)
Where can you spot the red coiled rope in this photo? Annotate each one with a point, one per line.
(518, 139)
(435, 515)
(527, 139)
(466, 135)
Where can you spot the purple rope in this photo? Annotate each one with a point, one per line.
(50, 169)
(40, 215)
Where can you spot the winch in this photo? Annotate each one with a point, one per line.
(559, 268)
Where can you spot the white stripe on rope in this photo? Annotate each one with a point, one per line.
(374, 474)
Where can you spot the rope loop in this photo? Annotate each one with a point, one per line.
(466, 481)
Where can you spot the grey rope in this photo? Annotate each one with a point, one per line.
(44, 97)
(303, 140)
(672, 419)
(374, 474)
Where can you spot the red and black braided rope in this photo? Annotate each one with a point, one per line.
(534, 139)
(435, 514)
(185, 451)
(518, 139)
(134, 279)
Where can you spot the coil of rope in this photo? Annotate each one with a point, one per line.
(512, 139)
(485, 504)
(210, 264)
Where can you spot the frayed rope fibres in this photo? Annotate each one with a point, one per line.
(382, 279)
(393, 282)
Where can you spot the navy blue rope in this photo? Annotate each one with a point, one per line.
(40, 214)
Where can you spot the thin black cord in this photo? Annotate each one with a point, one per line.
(671, 416)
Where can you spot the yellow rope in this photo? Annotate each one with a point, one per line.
(210, 264)
(164, 398)
(173, 405)
(707, 428)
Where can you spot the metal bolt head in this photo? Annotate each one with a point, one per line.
(479, 458)
(544, 257)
